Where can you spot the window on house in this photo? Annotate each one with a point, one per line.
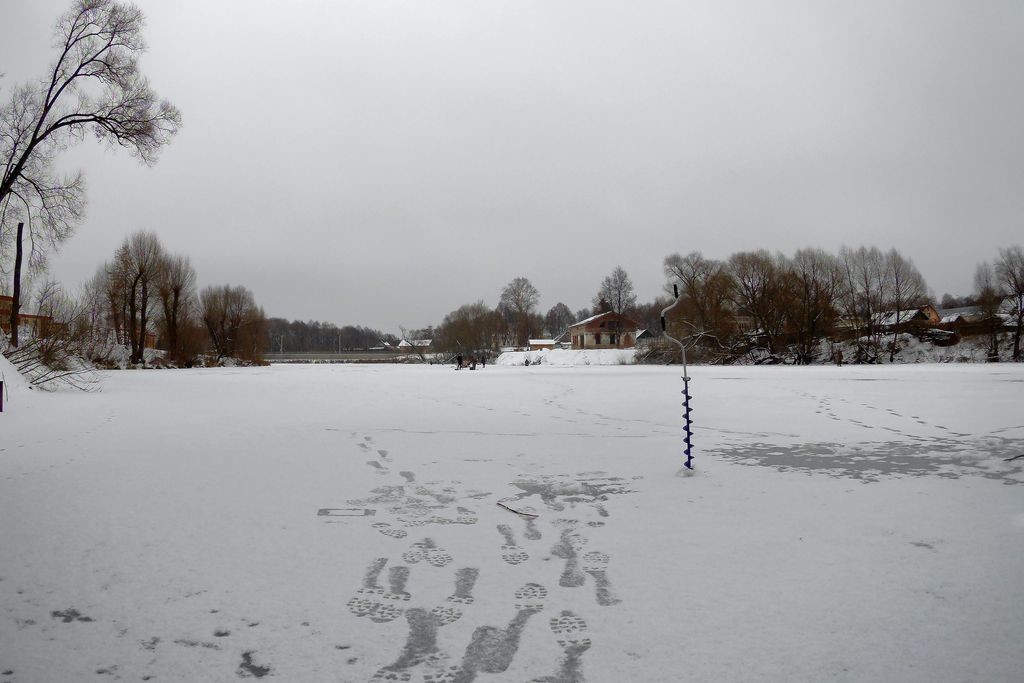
(611, 339)
(597, 338)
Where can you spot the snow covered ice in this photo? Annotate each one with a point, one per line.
(340, 523)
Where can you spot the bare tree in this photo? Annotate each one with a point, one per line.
(53, 355)
(617, 290)
(704, 286)
(95, 314)
(141, 259)
(177, 288)
(1009, 271)
(758, 292)
(235, 323)
(987, 294)
(558, 319)
(649, 314)
(521, 297)
(863, 296)
(813, 279)
(469, 328)
(116, 281)
(94, 84)
(51, 208)
(906, 288)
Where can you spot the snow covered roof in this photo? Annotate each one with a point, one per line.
(606, 314)
(542, 342)
(952, 315)
(590, 319)
(890, 318)
(419, 343)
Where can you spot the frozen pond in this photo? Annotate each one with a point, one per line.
(340, 523)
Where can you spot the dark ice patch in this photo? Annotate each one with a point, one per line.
(870, 461)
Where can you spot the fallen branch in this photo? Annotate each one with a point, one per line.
(518, 512)
(1014, 457)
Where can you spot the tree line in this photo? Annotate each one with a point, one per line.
(145, 297)
(313, 336)
(782, 307)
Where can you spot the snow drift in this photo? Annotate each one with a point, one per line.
(564, 358)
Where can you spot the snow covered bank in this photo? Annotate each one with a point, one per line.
(565, 358)
(12, 380)
(913, 350)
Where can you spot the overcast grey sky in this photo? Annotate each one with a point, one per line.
(381, 163)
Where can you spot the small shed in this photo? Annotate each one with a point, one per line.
(541, 344)
(644, 337)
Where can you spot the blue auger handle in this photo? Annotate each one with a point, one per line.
(688, 422)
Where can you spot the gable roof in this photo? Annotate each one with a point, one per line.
(890, 318)
(606, 314)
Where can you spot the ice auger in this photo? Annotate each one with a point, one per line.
(687, 422)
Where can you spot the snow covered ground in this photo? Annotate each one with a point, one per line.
(339, 523)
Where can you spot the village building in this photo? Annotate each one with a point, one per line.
(609, 330)
(541, 344)
(33, 326)
(415, 346)
(925, 316)
(36, 326)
